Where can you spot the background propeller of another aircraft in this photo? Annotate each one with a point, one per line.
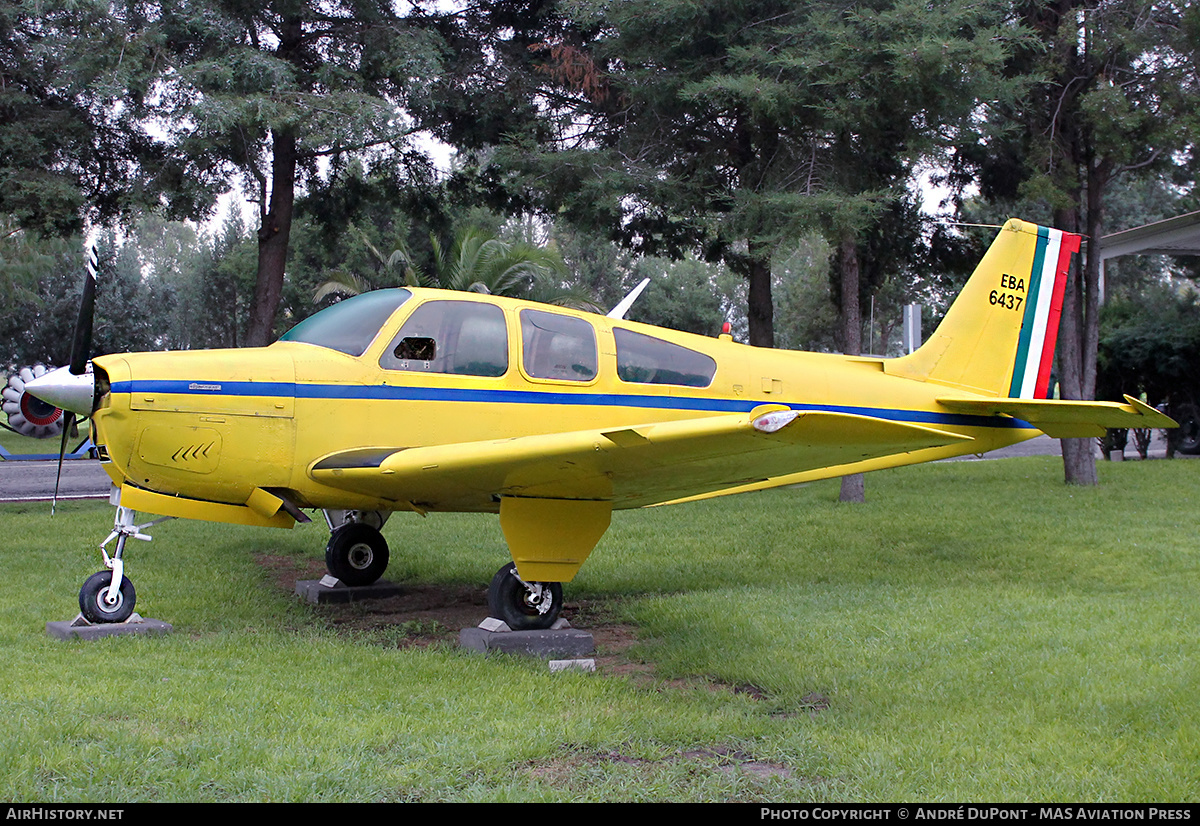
(27, 414)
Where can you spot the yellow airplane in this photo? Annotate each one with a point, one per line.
(424, 400)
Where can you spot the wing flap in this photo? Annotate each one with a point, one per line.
(630, 466)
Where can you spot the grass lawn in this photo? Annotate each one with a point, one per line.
(977, 631)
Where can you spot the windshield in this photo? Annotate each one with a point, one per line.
(350, 325)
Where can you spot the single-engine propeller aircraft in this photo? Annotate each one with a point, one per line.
(424, 400)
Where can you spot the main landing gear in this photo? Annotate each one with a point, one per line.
(524, 606)
(357, 553)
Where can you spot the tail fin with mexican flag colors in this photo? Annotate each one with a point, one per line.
(995, 347)
(998, 337)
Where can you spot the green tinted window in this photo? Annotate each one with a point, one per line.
(644, 359)
(557, 346)
(459, 337)
(350, 325)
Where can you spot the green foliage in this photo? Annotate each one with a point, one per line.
(43, 283)
(689, 295)
(1090, 89)
(204, 289)
(749, 123)
(1151, 346)
(477, 261)
(75, 140)
(333, 72)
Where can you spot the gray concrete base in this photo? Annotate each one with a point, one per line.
(332, 591)
(80, 629)
(561, 641)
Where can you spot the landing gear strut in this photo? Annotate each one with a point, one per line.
(525, 606)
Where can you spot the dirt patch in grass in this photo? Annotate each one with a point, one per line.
(565, 768)
(424, 615)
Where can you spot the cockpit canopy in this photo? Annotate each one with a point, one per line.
(350, 325)
(471, 338)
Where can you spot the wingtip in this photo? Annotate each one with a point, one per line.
(1155, 416)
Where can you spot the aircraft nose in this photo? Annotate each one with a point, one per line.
(64, 389)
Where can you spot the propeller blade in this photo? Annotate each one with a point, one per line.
(81, 350)
(81, 345)
(68, 421)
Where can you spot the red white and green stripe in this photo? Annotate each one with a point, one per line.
(1043, 307)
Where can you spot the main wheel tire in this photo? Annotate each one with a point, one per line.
(95, 608)
(357, 554)
(511, 601)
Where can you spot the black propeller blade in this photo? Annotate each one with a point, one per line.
(81, 347)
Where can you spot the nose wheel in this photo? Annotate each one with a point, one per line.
(99, 602)
(525, 606)
(357, 554)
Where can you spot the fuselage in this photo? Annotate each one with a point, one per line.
(448, 368)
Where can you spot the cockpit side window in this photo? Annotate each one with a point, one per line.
(350, 325)
(463, 338)
(643, 359)
(558, 347)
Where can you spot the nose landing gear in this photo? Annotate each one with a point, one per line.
(108, 596)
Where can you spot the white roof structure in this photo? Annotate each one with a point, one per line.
(1174, 236)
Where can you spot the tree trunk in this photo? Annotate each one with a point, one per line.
(273, 239)
(853, 487)
(851, 311)
(1079, 457)
(760, 305)
(276, 226)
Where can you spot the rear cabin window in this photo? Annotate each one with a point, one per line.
(558, 347)
(462, 338)
(643, 359)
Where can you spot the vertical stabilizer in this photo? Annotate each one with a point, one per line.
(998, 337)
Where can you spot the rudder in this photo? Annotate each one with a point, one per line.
(999, 335)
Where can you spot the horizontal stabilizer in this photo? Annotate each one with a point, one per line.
(1064, 419)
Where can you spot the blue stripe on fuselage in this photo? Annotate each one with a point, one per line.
(214, 389)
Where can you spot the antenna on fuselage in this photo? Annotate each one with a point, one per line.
(625, 303)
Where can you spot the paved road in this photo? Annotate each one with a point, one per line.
(31, 481)
(1045, 446)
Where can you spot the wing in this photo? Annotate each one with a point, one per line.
(1065, 419)
(629, 466)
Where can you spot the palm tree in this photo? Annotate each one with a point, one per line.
(477, 261)
(397, 269)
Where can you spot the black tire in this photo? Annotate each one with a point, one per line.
(93, 605)
(357, 554)
(511, 601)
(1189, 428)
